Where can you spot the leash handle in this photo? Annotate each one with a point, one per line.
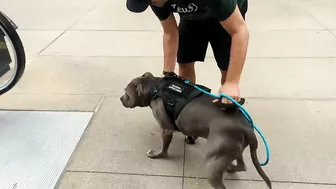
(231, 105)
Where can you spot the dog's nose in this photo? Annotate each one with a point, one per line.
(123, 98)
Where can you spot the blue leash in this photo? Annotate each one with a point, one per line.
(247, 116)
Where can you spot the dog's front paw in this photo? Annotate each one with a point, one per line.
(151, 154)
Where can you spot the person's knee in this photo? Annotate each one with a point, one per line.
(187, 71)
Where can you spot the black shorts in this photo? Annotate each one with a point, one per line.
(194, 38)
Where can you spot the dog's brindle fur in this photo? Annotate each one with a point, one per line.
(227, 134)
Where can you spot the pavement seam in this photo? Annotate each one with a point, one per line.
(159, 56)
(75, 22)
(320, 23)
(99, 104)
(183, 166)
(80, 140)
(84, 14)
(74, 151)
(121, 173)
(48, 45)
(33, 58)
(332, 33)
(200, 178)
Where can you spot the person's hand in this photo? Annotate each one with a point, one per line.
(230, 89)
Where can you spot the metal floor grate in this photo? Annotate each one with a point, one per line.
(35, 146)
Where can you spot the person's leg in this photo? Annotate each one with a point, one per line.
(220, 42)
(187, 71)
(192, 48)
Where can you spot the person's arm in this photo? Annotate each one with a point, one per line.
(235, 25)
(170, 37)
(229, 16)
(170, 43)
(231, 19)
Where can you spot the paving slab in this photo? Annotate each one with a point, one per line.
(203, 184)
(107, 43)
(300, 136)
(118, 139)
(114, 181)
(107, 16)
(58, 102)
(279, 15)
(322, 10)
(131, 43)
(291, 44)
(51, 15)
(275, 15)
(262, 77)
(295, 78)
(82, 75)
(35, 41)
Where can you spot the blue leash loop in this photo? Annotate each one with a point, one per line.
(245, 113)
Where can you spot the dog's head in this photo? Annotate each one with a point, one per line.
(137, 92)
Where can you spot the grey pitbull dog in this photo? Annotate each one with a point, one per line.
(227, 133)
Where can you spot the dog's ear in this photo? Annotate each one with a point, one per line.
(147, 74)
(139, 85)
(140, 89)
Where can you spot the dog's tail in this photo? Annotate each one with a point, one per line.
(253, 143)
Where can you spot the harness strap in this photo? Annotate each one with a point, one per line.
(168, 103)
(175, 94)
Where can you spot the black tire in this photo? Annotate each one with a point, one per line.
(18, 50)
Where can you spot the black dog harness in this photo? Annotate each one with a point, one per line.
(175, 94)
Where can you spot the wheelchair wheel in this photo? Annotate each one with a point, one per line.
(11, 53)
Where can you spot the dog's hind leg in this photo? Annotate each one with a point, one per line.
(215, 167)
(219, 155)
(191, 139)
(239, 167)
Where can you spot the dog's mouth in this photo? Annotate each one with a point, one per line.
(124, 99)
(126, 96)
(127, 101)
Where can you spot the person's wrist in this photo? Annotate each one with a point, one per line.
(232, 77)
(231, 81)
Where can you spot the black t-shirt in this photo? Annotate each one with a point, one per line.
(199, 9)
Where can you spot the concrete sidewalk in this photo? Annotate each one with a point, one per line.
(82, 53)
